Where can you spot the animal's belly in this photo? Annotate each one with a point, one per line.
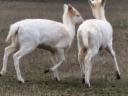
(104, 45)
(47, 47)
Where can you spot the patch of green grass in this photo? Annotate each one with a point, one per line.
(32, 66)
(43, 85)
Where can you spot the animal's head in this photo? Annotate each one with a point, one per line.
(70, 13)
(97, 7)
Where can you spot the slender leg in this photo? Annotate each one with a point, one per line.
(112, 52)
(55, 73)
(17, 56)
(81, 56)
(8, 50)
(88, 65)
(61, 59)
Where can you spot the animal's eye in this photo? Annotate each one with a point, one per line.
(78, 15)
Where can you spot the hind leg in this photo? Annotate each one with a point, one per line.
(112, 52)
(8, 50)
(81, 56)
(88, 65)
(17, 56)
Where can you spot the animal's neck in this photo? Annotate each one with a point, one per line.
(100, 15)
(69, 25)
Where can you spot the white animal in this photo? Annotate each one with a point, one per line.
(30, 34)
(94, 34)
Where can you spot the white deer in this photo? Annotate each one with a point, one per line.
(30, 34)
(94, 34)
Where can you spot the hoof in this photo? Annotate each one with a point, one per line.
(27, 80)
(56, 79)
(47, 71)
(83, 81)
(20, 82)
(0, 75)
(117, 75)
(87, 85)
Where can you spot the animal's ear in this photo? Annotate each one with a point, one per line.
(90, 3)
(103, 2)
(70, 8)
(65, 6)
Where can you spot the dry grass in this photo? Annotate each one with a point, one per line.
(34, 64)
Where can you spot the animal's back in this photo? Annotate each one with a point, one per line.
(43, 31)
(97, 30)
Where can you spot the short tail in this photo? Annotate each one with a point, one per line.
(12, 33)
(83, 39)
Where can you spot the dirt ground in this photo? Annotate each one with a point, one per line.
(33, 65)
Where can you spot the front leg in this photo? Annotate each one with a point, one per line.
(61, 58)
(55, 73)
(112, 52)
